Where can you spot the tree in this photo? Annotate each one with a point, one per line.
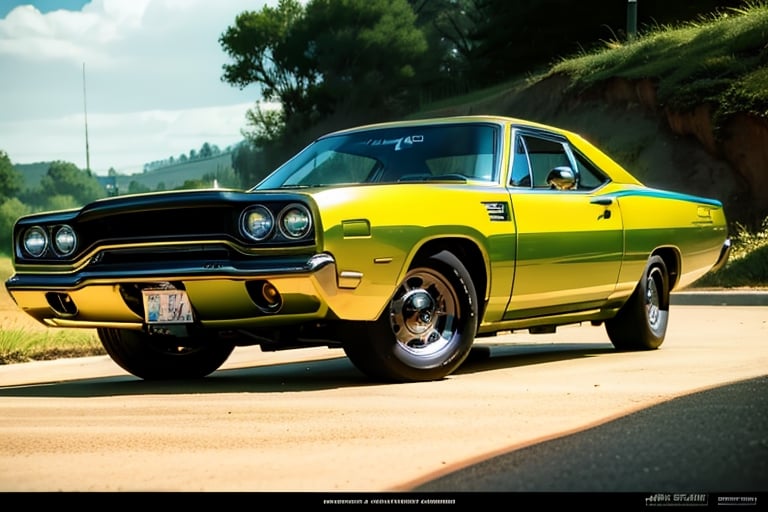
(134, 187)
(356, 58)
(11, 180)
(64, 178)
(449, 26)
(366, 51)
(258, 44)
(61, 202)
(248, 163)
(10, 210)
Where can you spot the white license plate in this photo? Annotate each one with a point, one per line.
(166, 307)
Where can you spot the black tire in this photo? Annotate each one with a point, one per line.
(161, 357)
(426, 331)
(641, 323)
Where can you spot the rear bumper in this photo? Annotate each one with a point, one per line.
(725, 252)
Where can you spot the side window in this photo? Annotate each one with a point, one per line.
(589, 176)
(521, 171)
(544, 155)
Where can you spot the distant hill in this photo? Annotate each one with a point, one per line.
(32, 173)
(175, 175)
(172, 176)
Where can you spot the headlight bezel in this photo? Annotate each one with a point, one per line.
(284, 216)
(244, 222)
(289, 222)
(40, 241)
(57, 245)
(43, 238)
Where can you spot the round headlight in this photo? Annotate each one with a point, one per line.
(65, 240)
(257, 223)
(35, 241)
(295, 221)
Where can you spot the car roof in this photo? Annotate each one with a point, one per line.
(517, 122)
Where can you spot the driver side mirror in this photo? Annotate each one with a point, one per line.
(562, 178)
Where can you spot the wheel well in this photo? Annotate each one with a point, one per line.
(469, 253)
(672, 261)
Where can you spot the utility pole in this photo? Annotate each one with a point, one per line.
(631, 19)
(85, 114)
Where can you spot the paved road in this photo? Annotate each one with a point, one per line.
(527, 414)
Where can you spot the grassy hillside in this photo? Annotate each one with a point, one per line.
(174, 176)
(32, 173)
(171, 176)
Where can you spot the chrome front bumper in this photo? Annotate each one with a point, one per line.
(222, 298)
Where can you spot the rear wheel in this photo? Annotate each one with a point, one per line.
(641, 323)
(160, 356)
(426, 331)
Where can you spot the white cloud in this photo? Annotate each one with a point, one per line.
(68, 35)
(152, 72)
(123, 141)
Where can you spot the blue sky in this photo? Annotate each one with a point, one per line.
(151, 70)
(42, 5)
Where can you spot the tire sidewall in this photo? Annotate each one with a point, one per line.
(398, 363)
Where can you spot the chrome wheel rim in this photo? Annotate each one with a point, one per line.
(423, 313)
(653, 310)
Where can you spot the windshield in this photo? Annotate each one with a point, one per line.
(390, 155)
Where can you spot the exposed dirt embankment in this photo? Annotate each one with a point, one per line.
(741, 141)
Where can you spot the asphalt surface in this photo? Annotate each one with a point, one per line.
(712, 441)
(705, 450)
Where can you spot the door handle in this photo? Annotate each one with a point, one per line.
(602, 201)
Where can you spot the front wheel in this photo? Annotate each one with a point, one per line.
(426, 331)
(160, 356)
(641, 323)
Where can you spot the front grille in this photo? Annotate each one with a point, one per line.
(179, 222)
(180, 253)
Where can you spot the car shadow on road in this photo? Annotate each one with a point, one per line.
(709, 441)
(300, 376)
(489, 356)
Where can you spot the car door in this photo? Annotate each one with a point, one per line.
(570, 241)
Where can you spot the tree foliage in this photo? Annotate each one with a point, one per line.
(354, 57)
(66, 179)
(365, 51)
(11, 181)
(248, 162)
(448, 26)
(258, 44)
(10, 210)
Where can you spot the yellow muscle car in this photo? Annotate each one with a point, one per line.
(401, 243)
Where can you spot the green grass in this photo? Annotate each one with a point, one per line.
(20, 345)
(725, 62)
(23, 339)
(747, 265)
